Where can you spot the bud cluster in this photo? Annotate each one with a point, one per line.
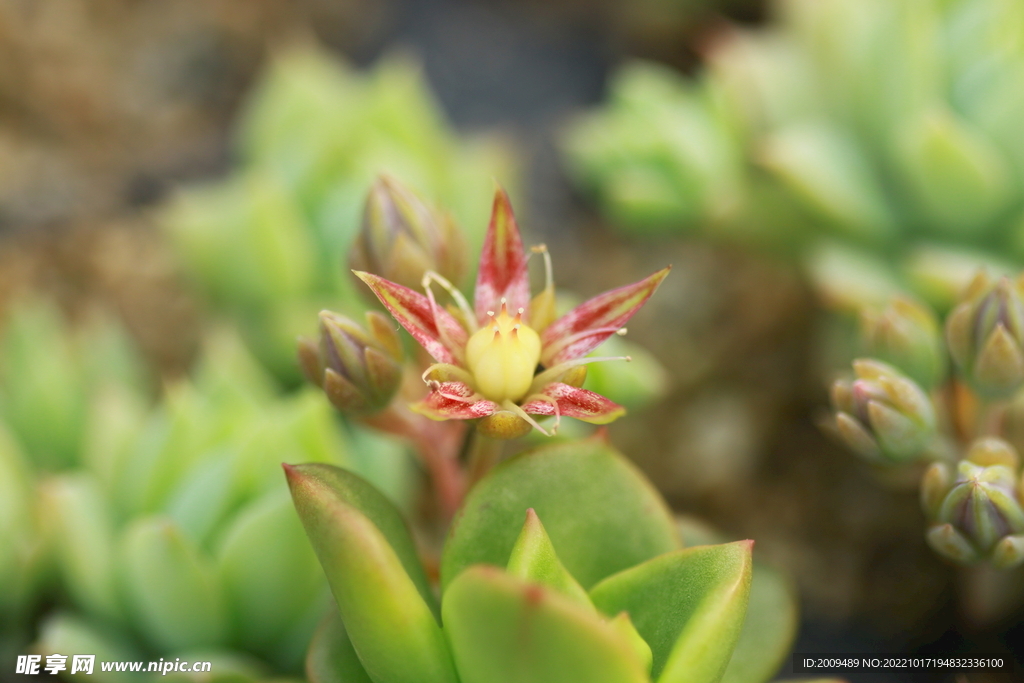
(912, 407)
(977, 512)
(358, 368)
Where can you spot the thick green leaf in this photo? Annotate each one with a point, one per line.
(173, 589)
(688, 605)
(325, 482)
(503, 630)
(391, 626)
(534, 559)
(71, 635)
(768, 630)
(331, 658)
(83, 538)
(772, 613)
(601, 514)
(271, 578)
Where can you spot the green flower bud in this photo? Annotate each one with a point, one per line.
(402, 238)
(978, 516)
(907, 335)
(986, 336)
(359, 370)
(882, 414)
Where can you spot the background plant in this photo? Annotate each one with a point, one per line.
(875, 141)
(264, 245)
(973, 490)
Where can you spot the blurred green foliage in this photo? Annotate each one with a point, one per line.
(267, 245)
(878, 141)
(161, 529)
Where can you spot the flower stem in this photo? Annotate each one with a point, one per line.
(484, 453)
(437, 445)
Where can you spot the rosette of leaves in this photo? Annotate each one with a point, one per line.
(51, 373)
(264, 245)
(563, 565)
(877, 141)
(965, 421)
(176, 538)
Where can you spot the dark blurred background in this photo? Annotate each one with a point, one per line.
(107, 105)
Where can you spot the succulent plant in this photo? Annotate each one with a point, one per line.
(171, 540)
(359, 368)
(874, 140)
(563, 565)
(967, 424)
(265, 244)
(979, 513)
(883, 414)
(51, 376)
(51, 373)
(986, 336)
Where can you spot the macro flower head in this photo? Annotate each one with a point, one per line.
(507, 360)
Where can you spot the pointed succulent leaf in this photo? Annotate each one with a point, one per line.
(534, 560)
(907, 334)
(173, 588)
(434, 328)
(271, 577)
(571, 401)
(582, 329)
(601, 514)
(63, 632)
(503, 272)
(331, 657)
(380, 589)
(624, 625)
(82, 528)
(505, 630)
(950, 543)
(826, 171)
(1000, 363)
(688, 605)
(768, 630)
(935, 485)
(1009, 552)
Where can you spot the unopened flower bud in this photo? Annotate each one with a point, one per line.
(978, 515)
(358, 368)
(882, 414)
(907, 334)
(986, 336)
(402, 238)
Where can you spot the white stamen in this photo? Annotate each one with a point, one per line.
(549, 278)
(460, 301)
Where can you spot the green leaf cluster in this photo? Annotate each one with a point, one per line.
(877, 141)
(563, 565)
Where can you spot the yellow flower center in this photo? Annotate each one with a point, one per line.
(502, 356)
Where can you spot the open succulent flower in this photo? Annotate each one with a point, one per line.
(507, 359)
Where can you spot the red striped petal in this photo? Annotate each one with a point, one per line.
(583, 328)
(575, 402)
(503, 271)
(454, 401)
(433, 327)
